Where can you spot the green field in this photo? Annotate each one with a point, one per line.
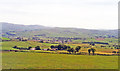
(40, 59)
(3, 38)
(7, 45)
(21, 60)
(43, 56)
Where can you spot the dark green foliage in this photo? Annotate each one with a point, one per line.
(15, 47)
(52, 46)
(93, 50)
(64, 47)
(89, 50)
(48, 49)
(68, 46)
(41, 41)
(93, 44)
(29, 48)
(114, 52)
(70, 50)
(60, 47)
(78, 48)
(20, 48)
(116, 46)
(37, 48)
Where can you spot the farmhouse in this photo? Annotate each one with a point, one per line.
(32, 48)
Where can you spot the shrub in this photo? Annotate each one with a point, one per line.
(70, 50)
(29, 48)
(60, 47)
(89, 50)
(77, 48)
(37, 48)
(93, 50)
(15, 47)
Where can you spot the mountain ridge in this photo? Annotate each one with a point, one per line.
(53, 27)
(30, 30)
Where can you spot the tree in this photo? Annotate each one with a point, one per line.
(52, 46)
(93, 50)
(93, 44)
(41, 41)
(15, 47)
(64, 47)
(29, 48)
(89, 50)
(48, 49)
(77, 48)
(70, 50)
(59, 47)
(68, 46)
(37, 48)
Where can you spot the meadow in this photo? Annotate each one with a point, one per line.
(28, 60)
(7, 45)
(40, 59)
(41, 56)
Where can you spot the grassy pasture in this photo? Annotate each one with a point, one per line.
(7, 45)
(3, 38)
(27, 60)
(107, 40)
(47, 60)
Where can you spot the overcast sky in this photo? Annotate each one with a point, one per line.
(90, 14)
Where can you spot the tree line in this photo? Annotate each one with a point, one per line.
(60, 47)
(68, 48)
(21, 48)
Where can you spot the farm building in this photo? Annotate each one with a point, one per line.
(32, 48)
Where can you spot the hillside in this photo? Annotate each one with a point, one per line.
(13, 27)
(9, 29)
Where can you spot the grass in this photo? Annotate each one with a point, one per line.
(3, 38)
(106, 40)
(7, 45)
(47, 60)
(27, 60)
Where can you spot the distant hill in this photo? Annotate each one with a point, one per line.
(10, 26)
(10, 29)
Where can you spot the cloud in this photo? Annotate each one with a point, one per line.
(92, 14)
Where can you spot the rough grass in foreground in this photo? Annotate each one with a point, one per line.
(21, 60)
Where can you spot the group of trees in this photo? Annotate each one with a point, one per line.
(36, 48)
(91, 49)
(60, 47)
(74, 50)
(68, 48)
(21, 48)
(95, 43)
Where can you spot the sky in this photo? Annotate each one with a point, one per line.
(88, 14)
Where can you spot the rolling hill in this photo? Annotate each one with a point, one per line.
(9, 29)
